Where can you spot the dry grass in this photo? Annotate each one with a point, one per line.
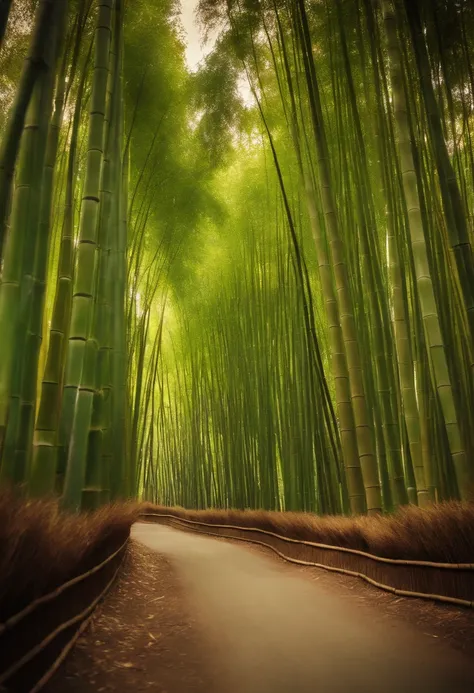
(40, 547)
(442, 533)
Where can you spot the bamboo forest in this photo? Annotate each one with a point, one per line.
(245, 282)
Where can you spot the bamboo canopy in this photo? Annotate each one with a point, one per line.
(245, 283)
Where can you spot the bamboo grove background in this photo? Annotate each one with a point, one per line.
(247, 286)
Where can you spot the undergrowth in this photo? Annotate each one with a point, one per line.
(442, 533)
(41, 547)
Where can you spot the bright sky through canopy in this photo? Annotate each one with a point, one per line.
(196, 50)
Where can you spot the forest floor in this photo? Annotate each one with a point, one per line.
(193, 614)
(142, 638)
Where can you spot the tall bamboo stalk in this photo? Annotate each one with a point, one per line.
(80, 379)
(16, 289)
(435, 343)
(36, 63)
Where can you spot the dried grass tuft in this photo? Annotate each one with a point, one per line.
(442, 533)
(41, 547)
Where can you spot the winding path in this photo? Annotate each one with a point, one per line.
(273, 631)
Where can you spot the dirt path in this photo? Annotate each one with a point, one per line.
(193, 614)
(143, 637)
(453, 626)
(274, 631)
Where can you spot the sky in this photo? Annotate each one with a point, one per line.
(197, 51)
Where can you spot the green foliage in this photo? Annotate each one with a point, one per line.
(263, 270)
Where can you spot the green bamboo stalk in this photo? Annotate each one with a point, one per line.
(36, 63)
(452, 203)
(24, 436)
(79, 384)
(408, 400)
(97, 480)
(362, 420)
(45, 475)
(343, 401)
(464, 471)
(16, 289)
(373, 279)
(120, 421)
(76, 468)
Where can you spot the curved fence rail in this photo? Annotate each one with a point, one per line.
(35, 641)
(451, 583)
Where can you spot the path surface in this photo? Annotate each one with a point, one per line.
(143, 637)
(272, 631)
